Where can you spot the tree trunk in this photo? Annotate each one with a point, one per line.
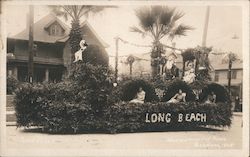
(130, 69)
(154, 70)
(183, 68)
(229, 77)
(75, 37)
(31, 44)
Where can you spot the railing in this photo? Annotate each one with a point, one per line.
(54, 61)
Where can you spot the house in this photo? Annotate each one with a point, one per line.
(220, 74)
(52, 55)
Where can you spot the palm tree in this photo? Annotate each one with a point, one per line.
(75, 13)
(230, 58)
(159, 22)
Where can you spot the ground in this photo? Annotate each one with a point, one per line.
(221, 139)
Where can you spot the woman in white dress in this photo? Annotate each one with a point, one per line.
(179, 97)
(140, 97)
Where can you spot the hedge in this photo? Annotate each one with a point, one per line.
(46, 106)
(219, 90)
(12, 84)
(132, 117)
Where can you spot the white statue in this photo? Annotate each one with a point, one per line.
(78, 54)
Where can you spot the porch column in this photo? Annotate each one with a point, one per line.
(15, 71)
(47, 75)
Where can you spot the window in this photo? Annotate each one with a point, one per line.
(55, 30)
(233, 74)
(216, 76)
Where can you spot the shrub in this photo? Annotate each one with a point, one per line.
(125, 117)
(52, 106)
(174, 87)
(91, 84)
(48, 106)
(219, 90)
(12, 84)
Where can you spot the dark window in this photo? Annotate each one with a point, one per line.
(39, 74)
(216, 76)
(55, 30)
(22, 74)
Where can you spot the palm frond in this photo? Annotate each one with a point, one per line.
(137, 30)
(166, 16)
(146, 18)
(180, 30)
(177, 16)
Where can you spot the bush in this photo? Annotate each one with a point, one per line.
(220, 91)
(124, 117)
(127, 90)
(47, 106)
(174, 87)
(91, 84)
(66, 106)
(12, 84)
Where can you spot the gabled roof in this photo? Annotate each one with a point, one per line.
(218, 64)
(41, 35)
(86, 24)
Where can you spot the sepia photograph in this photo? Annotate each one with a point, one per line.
(124, 78)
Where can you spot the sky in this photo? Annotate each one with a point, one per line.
(225, 22)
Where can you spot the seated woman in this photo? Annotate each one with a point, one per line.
(179, 97)
(189, 74)
(140, 96)
(211, 98)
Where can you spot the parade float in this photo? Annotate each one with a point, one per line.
(89, 101)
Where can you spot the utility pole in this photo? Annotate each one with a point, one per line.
(31, 43)
(116, 58)
(204, 36)
(230, 62)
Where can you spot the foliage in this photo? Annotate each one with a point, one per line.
(188, 55)
(93, 55)
(203, 75)
(158, 22)
(123, 117)
(91, 84)
(48, 106)
(174, 87)
(67, 106)
(220, 91)
(12, 84)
